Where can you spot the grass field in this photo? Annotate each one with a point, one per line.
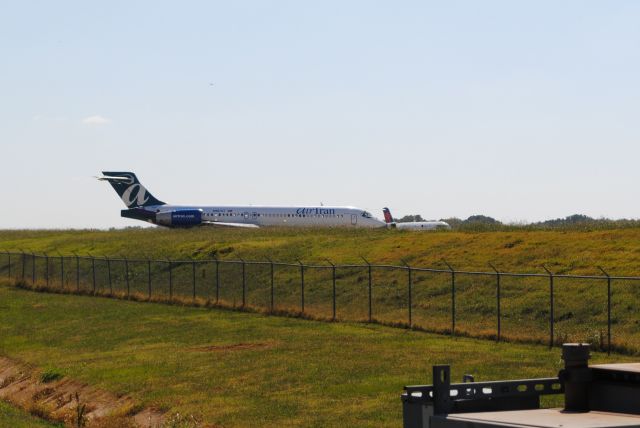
(239, 369)
(580, 305)
(563, 251)
(14, 418)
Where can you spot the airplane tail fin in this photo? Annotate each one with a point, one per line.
(130, 190)
(387, 215)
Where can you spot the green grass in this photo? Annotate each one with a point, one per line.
(575, 251)
(580, 305)
(240, 369)
(15, 418)
(50, 375)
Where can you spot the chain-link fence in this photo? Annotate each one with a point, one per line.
(534, 307)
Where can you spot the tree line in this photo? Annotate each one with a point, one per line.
(575, 221)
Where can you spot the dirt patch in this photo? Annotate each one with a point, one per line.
(233, 347)
(61, 399)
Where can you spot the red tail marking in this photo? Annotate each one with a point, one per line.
(387, 215)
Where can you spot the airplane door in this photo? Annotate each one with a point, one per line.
(354, 219)
(246, 216)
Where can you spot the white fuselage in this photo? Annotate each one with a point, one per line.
(423, 225)
(322, 216)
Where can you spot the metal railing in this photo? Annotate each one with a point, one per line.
(445, 300)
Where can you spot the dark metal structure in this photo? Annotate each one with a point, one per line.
(599, 396)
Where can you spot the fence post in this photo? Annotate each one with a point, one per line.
(148, 278)
(217, 279)
(370, 293)
(497, 298)
(77, 272)
(244, 282)
(551, 308)
(109, 275)
(333, 289)
(9, 260)
(23, 257)
(126, 275)
(410, 291)
(453, 298)
(271, 304)
(170, 279)
(61, 270)
(46, 269)
(608, 310)
(93, 272)
(301, 286)
(33, 268)
(193, 278)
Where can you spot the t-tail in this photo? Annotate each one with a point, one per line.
(130, 190)
(387, 216)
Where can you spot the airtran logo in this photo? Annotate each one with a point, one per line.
(326, 211)
(135, 195)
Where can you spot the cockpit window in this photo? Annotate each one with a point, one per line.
(366, 214)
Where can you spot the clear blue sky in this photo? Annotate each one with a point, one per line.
(518, 110)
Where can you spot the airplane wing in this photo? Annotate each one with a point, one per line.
(219, 223)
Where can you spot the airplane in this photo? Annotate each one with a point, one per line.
(142, 205)
(413, 225)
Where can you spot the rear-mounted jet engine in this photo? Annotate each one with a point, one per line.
(179, 218)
